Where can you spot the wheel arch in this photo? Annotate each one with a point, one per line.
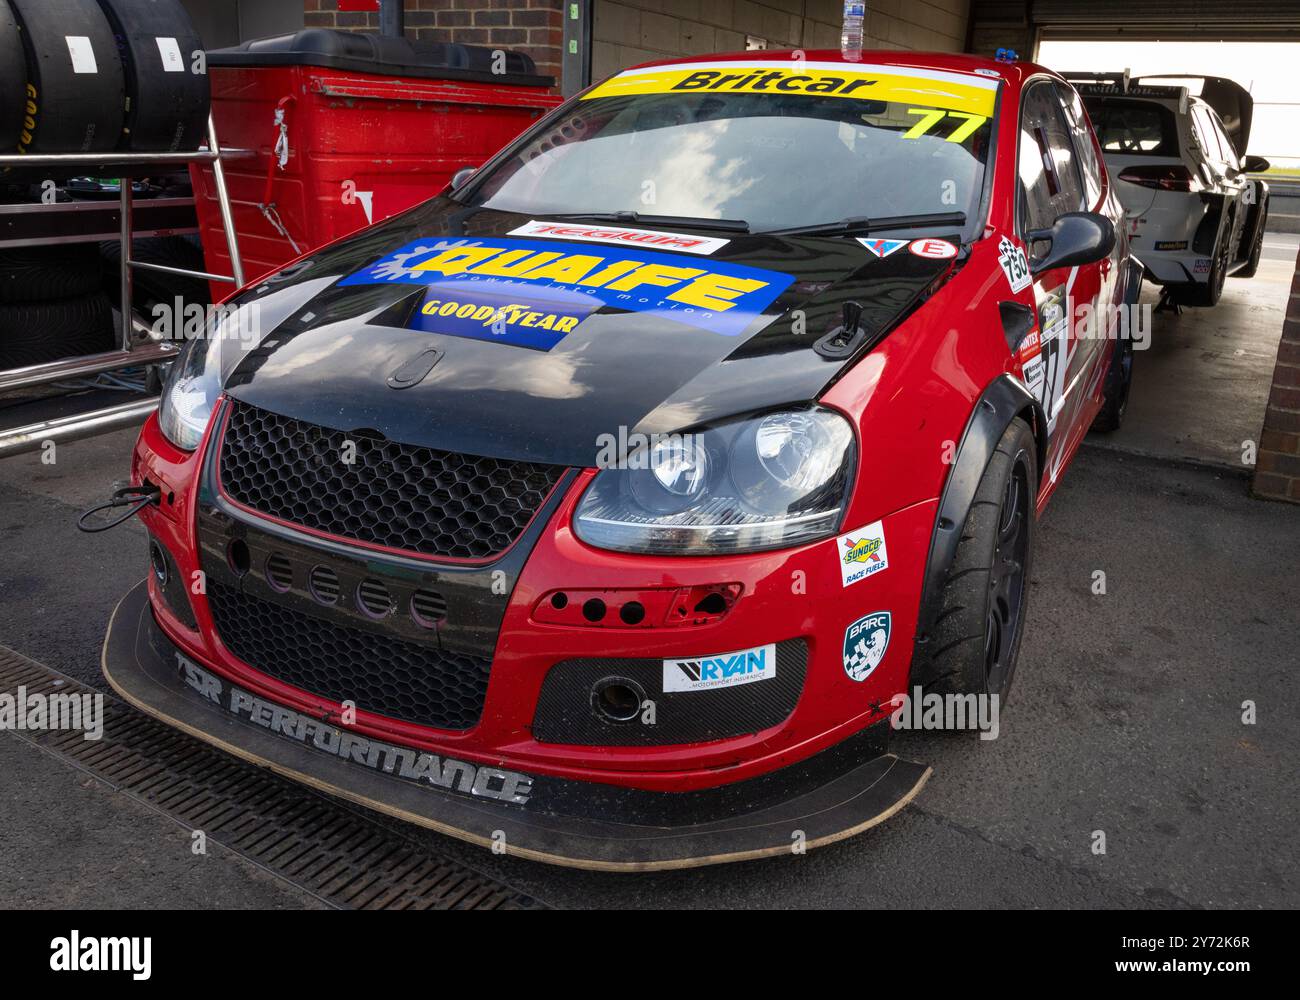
(1005, 399)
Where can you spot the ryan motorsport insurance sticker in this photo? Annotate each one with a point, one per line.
(531, 293)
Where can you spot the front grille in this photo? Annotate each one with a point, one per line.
(400, 496)
(401, 680)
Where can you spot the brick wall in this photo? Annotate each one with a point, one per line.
(1277, 472)
(626, 32)
(531, 26)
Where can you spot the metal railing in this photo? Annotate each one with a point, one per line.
(137, 344)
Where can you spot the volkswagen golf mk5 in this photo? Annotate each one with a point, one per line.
(601, 507)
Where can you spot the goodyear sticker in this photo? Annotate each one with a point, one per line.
(862, 553)
(538, 320)
(574, 279)
(935, 88)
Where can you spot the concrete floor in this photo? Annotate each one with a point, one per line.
(1200, 390)
(1126, 718)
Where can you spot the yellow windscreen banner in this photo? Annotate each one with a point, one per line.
(862, 83)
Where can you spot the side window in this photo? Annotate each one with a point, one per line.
(1206, 135)
(1221, 134)
(1049, 175)
(1089, 165)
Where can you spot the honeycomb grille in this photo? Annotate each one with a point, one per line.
(400, 496)
(390, 677)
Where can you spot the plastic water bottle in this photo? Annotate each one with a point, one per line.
(855, 13)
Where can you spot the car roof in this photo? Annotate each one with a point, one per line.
(982, 66)
(1172, 103)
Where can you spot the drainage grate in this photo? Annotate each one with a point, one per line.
(319, 845)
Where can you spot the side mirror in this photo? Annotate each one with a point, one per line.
(1255, 164)
(461, 176)
(1075, 238)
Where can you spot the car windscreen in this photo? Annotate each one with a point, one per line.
(1133, 128)
(770, 157)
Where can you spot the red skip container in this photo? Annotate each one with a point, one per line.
(350, 129)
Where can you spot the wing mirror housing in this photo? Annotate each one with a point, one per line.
(1075, 238)
(461, 176)
(1255, 164)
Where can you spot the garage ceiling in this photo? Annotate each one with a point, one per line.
(1201, 20)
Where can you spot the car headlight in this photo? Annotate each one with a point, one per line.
(194, 381)
(764, 482)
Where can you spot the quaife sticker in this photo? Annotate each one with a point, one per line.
(680, 242)
(865, 642)
(1014, 264)
(718, 297)
(722, 670)
(882, 248)
(862, 553)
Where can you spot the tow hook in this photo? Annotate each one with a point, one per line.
(137, 498)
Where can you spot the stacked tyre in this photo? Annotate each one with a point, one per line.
(88, 76)
(51, 305)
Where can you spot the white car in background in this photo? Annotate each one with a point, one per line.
(1179, 165)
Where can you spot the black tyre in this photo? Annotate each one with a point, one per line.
(1119, 380)
(32, 333)
(975, 640)
(13, 81)
(40, 274)
(1192, 294)
(149, 288)
(1256, 243)
(75, 84)
(167, 100)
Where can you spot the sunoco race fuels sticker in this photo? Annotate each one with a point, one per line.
(711, 295)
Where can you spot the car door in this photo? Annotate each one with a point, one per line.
(1236, 181)
(1064, 374)
(1225, 174)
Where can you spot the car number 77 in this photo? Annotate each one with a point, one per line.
(930, 117)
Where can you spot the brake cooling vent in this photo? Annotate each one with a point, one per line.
(376, 491)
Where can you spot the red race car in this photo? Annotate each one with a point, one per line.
(600, 509)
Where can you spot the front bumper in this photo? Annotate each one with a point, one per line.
(828, 797)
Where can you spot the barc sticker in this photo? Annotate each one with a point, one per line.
(722, 670)
(621, 235)
(862, 553)
(865, 642)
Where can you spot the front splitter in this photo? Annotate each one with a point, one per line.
(579, 824)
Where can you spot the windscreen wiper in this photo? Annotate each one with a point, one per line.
(861, 224)
(724, 225)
